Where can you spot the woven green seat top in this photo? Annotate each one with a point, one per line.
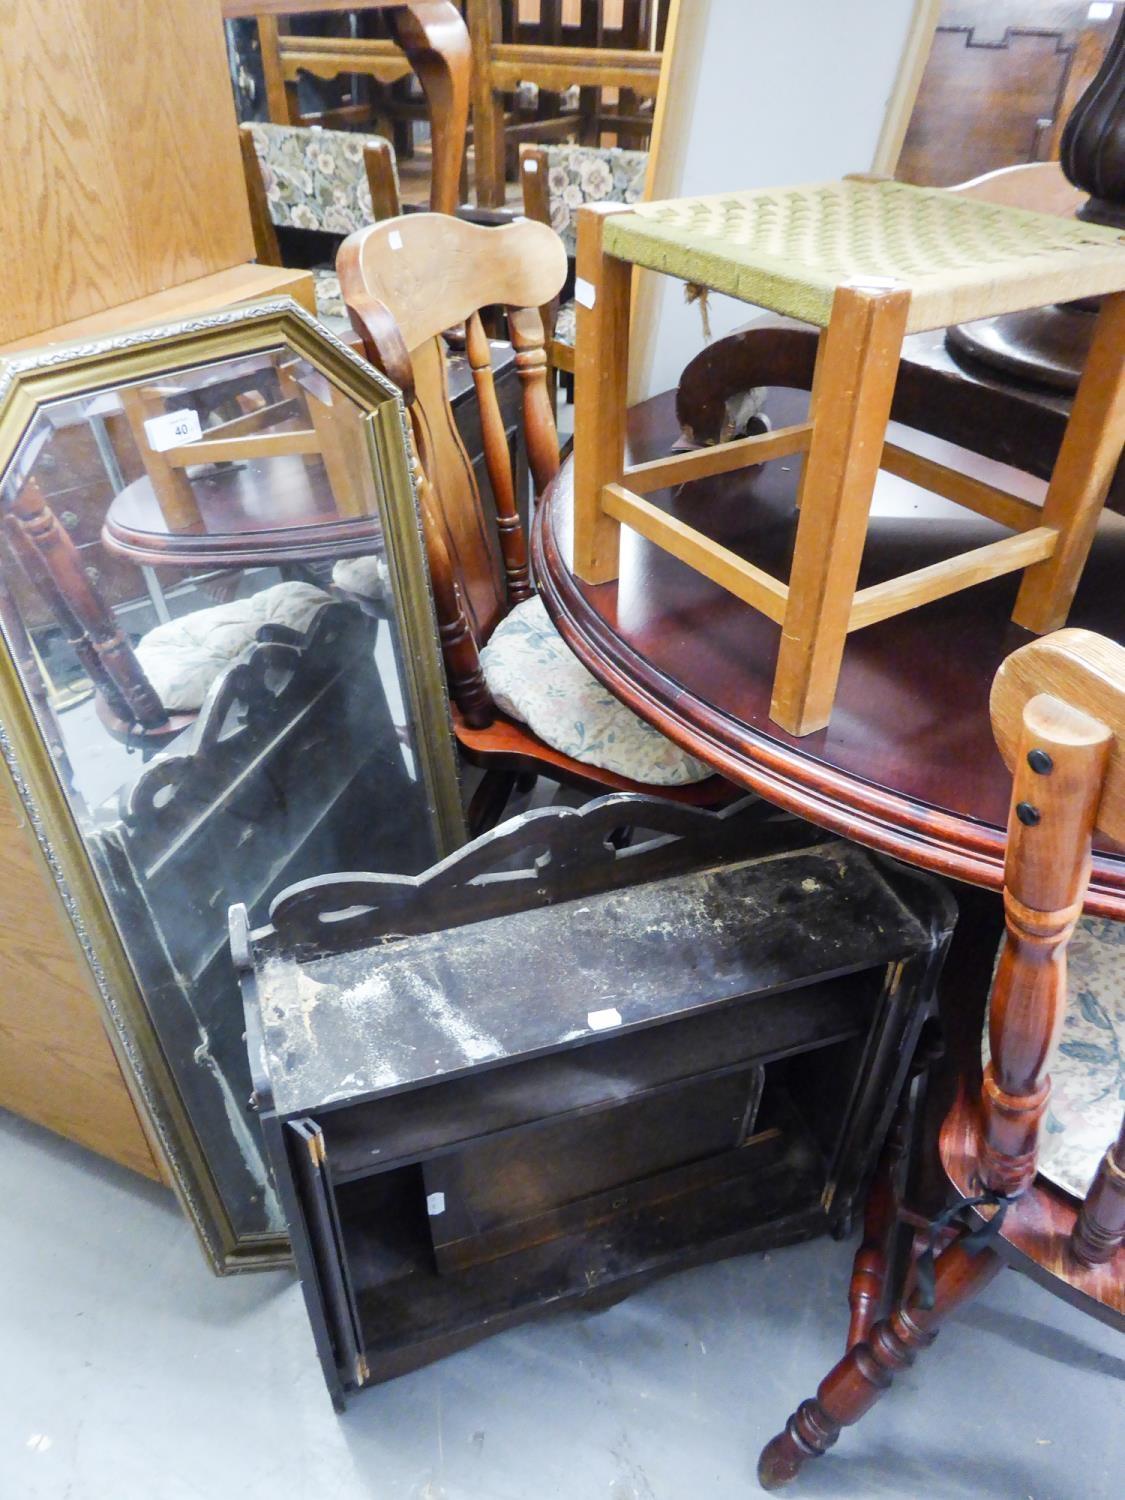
(788, 249)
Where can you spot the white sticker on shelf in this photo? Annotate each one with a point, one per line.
(585, 292)
(1101, 10)
(602, 1020)
(530, 164)
(173, 428)
(435, 1204)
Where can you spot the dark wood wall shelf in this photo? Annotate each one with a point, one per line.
(487, 1093)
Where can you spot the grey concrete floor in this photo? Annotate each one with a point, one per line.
(127, 1372)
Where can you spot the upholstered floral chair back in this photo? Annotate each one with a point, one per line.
(590, 174)
(314, 178)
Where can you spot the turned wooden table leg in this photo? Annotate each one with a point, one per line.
(1100, 1229)
(853, 1386)
(855, 382)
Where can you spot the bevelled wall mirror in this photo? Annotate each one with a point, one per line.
(221, 674)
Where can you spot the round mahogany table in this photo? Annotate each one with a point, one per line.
(907, 764)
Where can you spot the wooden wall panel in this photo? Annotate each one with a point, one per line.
(120, 172)
(996, 88)
(56, 1063)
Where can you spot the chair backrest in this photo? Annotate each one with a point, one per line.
(1039, 186)
(405, 281)
(305, 177)
(558, 180)
(1058, 715)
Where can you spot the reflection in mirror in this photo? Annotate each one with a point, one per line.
(196, 591)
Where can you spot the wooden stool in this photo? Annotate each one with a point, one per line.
(867, 262)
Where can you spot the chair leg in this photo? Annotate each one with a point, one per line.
(856, 1382)
(855, 381)
(487, 804)
(1082, 475)
(869, 1269)
(1100, 1229)
(435, 39)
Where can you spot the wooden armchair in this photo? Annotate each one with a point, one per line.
(521, 703)
(555, 180)
(303, 177)
(1035, 1150)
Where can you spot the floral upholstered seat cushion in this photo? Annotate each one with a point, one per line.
(535, 678)
(1088, 1071)
(314, 178)
(330, 303)
(590, 174)
(366, 576)
(183, 657)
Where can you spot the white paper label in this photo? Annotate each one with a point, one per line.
(435, 1204)
(530, 164)
(602, 1020)
(394, 239)
(172, 429)
(875, 283)
(585, 292)
(1101, 10)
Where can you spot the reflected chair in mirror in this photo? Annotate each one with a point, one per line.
(147, 693)
(558, 179)
(522, 704)
(425, 37)
(304, 177)
(1035, 1148)
(285, 482)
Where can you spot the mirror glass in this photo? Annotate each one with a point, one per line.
(198, 594)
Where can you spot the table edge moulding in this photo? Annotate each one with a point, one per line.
(808, 777)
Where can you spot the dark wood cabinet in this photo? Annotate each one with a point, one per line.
(552, 1069)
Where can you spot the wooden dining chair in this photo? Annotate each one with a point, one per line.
(1034, 1149)
(556, 180)
(304, 177)
(426, 37)
(591, 57)
(522, 704)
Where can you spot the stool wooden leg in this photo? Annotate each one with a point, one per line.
(1083, 471)
(601, 375)
(855, 382)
